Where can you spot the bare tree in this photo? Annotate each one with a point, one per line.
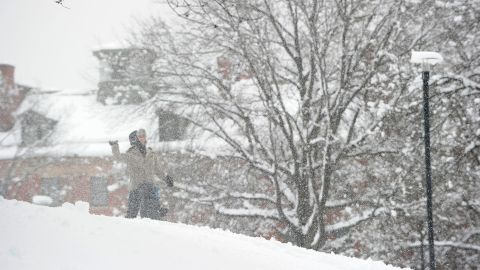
(318, 97)
(321, 76)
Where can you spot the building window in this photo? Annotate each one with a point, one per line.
(98, 191)
(171, 127)
(105, 71)
(50, 186)
(35, 127)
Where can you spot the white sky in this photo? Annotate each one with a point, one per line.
(51, 46)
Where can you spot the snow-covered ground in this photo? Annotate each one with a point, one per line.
(68, 237)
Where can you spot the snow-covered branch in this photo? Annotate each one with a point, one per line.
(355, 220)
(247, 212)
(448, 244)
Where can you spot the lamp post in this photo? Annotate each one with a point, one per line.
(427, 59)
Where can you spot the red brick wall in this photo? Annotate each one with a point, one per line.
(8, 75)
(11, 96)
(74, 174)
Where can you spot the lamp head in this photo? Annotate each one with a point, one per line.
(426, 59)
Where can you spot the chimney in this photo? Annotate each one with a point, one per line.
(8, 75)
(7, 83)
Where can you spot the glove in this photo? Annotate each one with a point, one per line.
(112, 143)
(169, 180)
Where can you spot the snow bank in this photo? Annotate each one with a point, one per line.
(42, 200)
(67, 237)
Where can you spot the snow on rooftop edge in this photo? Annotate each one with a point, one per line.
(113, 45)
(81, 119)
(68, 237)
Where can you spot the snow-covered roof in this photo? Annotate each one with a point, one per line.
(84, 126)
(114, 45)
(82, 119)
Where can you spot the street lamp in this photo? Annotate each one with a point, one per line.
(427, 59)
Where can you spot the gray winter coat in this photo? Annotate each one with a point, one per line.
(139, 169)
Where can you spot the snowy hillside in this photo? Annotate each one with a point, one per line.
(68, 237)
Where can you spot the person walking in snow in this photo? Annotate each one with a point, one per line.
(142, 167)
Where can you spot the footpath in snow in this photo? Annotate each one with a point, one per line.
(39, 238)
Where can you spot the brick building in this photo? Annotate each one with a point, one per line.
(54, 149)
(54, 144)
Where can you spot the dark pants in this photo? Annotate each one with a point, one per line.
(145, 199)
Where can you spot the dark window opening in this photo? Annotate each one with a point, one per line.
(171, 127)
(98, 191)
(51, 187)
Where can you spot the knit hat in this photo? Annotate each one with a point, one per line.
(132, 137)
(141, 132)
(136, 143)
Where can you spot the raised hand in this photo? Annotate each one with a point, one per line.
(169, 180)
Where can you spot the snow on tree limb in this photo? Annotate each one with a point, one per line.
(247, 212)
(448, 244)
(365, 215)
